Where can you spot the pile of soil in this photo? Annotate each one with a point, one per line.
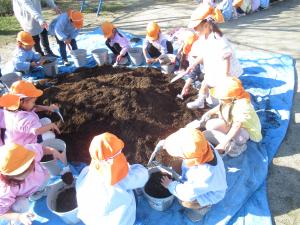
(154, 188)
(139, 106)
(66, 200)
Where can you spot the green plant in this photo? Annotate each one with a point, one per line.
(6, 7)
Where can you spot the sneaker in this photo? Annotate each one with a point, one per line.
(234, 149)
(38, 194)
(66, 63)
(198, 103)
(211, 101)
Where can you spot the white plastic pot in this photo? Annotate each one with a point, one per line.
(52, 166)
(166, 66)
(51, 69)
(159, 204)
(101, 56)
(136, 56)
(69, 217)
(79, 57)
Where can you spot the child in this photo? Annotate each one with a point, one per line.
(188, 54)
(105, 188)
(21, 177)
(26, 60)
(237, 121)
(66, 27)
(155, 44)
(203, 173)
(21, 122)
(116, 42)
(216, 53)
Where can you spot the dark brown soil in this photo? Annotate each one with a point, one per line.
(47, 158)
(154, 188)
(67, 178)
(66, 200)
(139, 106)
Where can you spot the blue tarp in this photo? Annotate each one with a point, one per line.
(270, 78)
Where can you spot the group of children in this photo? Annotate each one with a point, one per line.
(105, 187)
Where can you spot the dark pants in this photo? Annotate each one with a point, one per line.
(43, 38)
(62, 47)
(183, 62)
(116, 48)
(155, 53)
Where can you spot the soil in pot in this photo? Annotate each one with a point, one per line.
(154, 188)
(47, 158)
(66, 200)
(67, 178)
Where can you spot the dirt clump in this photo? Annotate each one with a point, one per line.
(138, 105)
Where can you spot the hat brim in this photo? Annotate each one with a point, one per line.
(9, 101)
(36, 93)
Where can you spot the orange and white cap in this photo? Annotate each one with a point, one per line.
(189, 144)
(153, 30)
(25, 38)
(107, 157)
(76, 17)
(15, 159)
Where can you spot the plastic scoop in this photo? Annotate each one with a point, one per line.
(178, 76)
(158, 147)
(59, 114)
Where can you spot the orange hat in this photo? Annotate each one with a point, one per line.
(25, 89)
(189, 144)
(205, 11)
(76, 17)
(25, 38)
(107, 157)
(188, 42)
(10, 101)
(107, 28)
(15, 159)
(153, 30)
(231, 88)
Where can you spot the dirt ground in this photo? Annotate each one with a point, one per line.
(139, 106)
(274, 30)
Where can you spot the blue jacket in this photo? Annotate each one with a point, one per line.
(24, 58)
(62, 28)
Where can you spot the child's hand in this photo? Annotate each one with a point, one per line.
(53, 127)
(165, 181)
(119, 57)
(67, 42)
(190, 68)
(26, 218)
(44, 25)
(149, 60)
(34, 64)
(57, 155)
(53, 107)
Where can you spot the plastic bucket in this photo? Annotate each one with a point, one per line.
(159, 204)
(136, 56)
(44, 121)
(52, 165)
(10, 78)
(101, 56)
(50, 68)
(79, 57)
(69, 217)
(167, 67)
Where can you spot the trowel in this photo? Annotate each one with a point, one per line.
(59, 114)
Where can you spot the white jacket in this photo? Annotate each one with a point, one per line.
(99, 203)
(204, 183)
(29, 14)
